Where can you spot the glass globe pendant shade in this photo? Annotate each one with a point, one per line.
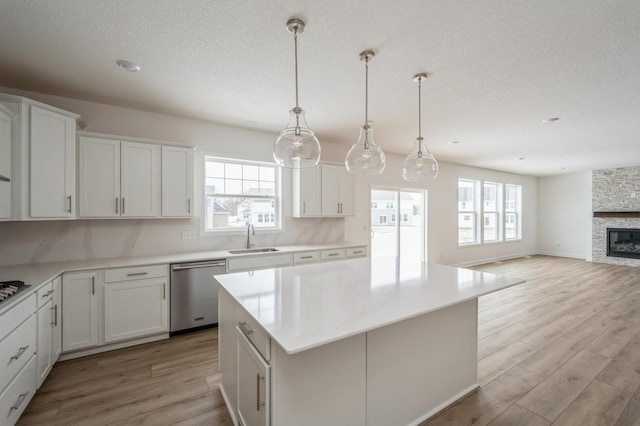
(365, 156)
(420, 165)
(297, 146)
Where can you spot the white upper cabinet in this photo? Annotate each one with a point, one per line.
(5, 162)
(177, 181)
(118, 178)
(323, 191)
(43, 159)
(306, 192)
(337, 191)
(140, 179)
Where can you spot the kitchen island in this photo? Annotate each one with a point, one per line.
(358, 342)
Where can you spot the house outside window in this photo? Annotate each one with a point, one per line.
(500, 210)
(239, 192)
(382, 220)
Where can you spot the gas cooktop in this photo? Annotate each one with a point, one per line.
(8, 289)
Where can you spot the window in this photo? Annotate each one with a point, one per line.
(467, 207)
(389, 204)
(491, 196)
(241, 192)
(512, 208)
(374, 205)
(382, 220)
(500, 212)
(393, 218)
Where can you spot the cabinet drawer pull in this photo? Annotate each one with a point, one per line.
(246, 330)
(137, 274)
(258, 403)
(358, 252)
(20, 352)
(19, 402)
(306, 257)
(47, 294)
(69, 199)
(334, 254)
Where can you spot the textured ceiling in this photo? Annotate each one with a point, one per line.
(496, 70)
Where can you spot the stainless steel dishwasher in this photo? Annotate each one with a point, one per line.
(194, 294)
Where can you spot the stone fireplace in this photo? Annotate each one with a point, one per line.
(616, 216)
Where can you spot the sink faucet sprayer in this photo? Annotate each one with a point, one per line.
(250, 231)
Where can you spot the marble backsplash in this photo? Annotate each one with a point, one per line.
(52, 241)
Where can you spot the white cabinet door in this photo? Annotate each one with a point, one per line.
(140, 179)
(177, 181)
(330, 195)
(52, 165)
(345, 188)
(5, 162)
(43, 355)
(56, 338)
(80, 310)
(135, 308)
(99, 177)
(306, 192)
(254, 389)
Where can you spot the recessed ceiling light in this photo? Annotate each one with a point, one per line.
(454, 142)
(520, 158)
(551, 120)
(128, 66)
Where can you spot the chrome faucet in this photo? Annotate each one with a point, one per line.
(250, 231)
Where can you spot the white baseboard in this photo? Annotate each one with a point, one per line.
(104, 348)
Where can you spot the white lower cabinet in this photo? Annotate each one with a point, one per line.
(135, 308)
(56, 338)
(45, 334)
(18, 345)
(80, 310)
(254, 385)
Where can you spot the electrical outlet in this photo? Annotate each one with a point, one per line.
(188, 235)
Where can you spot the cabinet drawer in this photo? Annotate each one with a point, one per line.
(17, 315)
(16, 349)
(356, 251)
(44, 294)
(135, 273)
(258, 262)
(17, 395)
(332, 254)
(306, 257)
(255, 333)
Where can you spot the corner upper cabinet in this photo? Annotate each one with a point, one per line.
(118, 178)
(306, 192)
(43, 158)
(5, 162)
(177, 181)
(337, 191)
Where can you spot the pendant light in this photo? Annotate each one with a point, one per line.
(365, 157)
(297, 146)
(420, 165)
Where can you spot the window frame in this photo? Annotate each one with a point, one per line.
(516, 212)
(276, 198)
(473, 212)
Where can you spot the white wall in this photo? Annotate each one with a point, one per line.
(564, 215)
(24, 242)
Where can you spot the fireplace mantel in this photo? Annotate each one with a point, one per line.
(616, 214)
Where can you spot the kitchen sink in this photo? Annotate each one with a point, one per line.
(255, 250)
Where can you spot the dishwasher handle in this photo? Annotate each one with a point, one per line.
(181, 266)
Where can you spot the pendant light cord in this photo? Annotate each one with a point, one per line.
(295, 44)
(420, 118)
(366, 92)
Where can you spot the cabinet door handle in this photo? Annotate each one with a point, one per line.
(93, 285)
(304, 207)
(136, 274)
(243, 326)
(19, 353)
(258, 403)
(117, 202)
(164, 291)
(122, 205)
(19, 401)
(188, 205)
(69, 199)
(55, 315)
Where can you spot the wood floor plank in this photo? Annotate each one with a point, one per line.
(598, 404)
(631, 414)
(502, 360)
(624, 371)
(518, 415)
(555, 393)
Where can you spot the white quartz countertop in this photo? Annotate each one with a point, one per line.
(36, 274)
(306, 306)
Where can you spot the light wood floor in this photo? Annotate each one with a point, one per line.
(562, 349)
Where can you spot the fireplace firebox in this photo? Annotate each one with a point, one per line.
(623, 242)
